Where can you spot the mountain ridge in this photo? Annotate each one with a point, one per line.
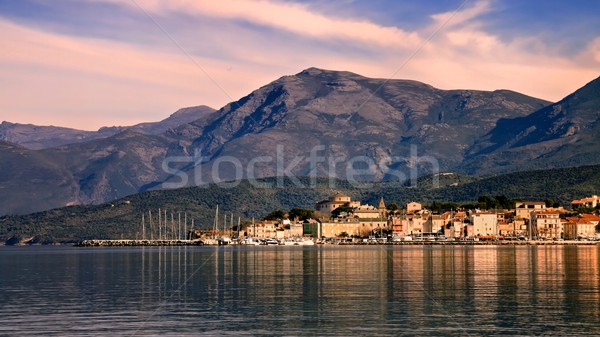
(314, 123)
(37, 137)
(561, 134)
(320, 108)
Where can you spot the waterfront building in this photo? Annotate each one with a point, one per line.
(583, 226)
(399, 226)
(266, 229)
(436, 223)
(414, 224)
(484, 224)
(331, 228)
(546, 224)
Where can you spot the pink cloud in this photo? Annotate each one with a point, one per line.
(50, 78)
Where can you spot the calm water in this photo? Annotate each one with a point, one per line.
(331, 290)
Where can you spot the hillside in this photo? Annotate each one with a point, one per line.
(247, 199)
(30, 177)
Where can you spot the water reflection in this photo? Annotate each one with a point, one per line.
(415, 290)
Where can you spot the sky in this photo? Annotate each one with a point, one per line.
(91, 63)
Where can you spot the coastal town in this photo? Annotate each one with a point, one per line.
(339, 219)
(528, 220)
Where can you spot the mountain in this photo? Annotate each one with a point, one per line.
(563, 134)
(36, 137)
(122, 218)
(372, 129)
(315, 123)
(32, 180)
(178, 118)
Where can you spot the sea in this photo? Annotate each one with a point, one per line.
(300, 291)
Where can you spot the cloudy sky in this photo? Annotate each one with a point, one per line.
(90, 63)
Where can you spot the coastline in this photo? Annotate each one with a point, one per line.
(133, 243)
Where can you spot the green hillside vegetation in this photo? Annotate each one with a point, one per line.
(122, 218)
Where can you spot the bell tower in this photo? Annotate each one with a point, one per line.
(381, 208)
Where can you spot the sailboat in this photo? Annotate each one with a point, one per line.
(223, 239)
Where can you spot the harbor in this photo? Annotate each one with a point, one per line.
(308, 242)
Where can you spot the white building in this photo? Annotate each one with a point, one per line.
(484, 224)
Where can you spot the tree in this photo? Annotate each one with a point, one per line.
(344, 235)
(440, 207)
(301, 213)
(486, 202)
(336, 212)
(435, 207)
(504, 202)
(392, 207)
(275, 215)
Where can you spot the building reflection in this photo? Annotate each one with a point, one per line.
(318, 286)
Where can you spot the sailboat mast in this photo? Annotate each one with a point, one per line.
(216, 226)
(151, 232)
(172, 227)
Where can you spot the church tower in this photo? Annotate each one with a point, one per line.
(381, 208)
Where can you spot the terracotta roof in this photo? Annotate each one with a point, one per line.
(591, 217)
(584, 200)
(577, 220)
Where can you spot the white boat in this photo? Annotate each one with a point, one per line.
(307, 242)
(250, 242)
(270, 242)
(224, 241)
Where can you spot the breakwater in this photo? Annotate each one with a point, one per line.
(125, 243)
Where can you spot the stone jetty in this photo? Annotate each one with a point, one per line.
(128, 243)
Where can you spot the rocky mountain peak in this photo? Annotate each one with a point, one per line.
(553, 135)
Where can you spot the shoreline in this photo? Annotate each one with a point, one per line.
(152, 243)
